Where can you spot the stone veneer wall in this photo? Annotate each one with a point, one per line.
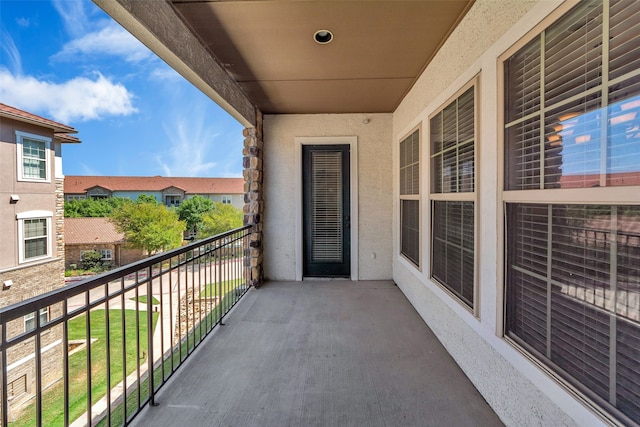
(254, 198)
(30, 281)
(59, 219)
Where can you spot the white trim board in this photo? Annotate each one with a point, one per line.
(352, 141)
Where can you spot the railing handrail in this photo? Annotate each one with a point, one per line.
(22, 308)
(196, 286)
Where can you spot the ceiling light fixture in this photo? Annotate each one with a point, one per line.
(323, 36)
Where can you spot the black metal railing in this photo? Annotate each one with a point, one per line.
(96, 352)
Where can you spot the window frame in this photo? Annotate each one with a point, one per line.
(20, 137)
(173, 200)
(411, 197)
(31, 317)
(34, 215)
(227, 199)
(101, 251)
(106, 254)
(603, 195)
(458, 196)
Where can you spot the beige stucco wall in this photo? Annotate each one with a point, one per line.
(282, 183)
(520, 392)
(33, 195)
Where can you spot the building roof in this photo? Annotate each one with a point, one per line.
(90, 230)
(64, 137)
(74, 184)
(59, 129)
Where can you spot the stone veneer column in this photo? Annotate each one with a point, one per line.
(253, 198)
(59, 218)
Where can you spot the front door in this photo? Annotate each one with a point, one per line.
(326, 212)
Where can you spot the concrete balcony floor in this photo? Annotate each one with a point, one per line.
(320, 353)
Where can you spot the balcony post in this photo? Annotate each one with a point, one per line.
(253, 198)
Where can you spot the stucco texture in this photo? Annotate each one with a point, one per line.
(518, 390)
(482, 26)
(374, 188)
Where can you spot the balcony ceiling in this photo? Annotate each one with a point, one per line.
(378, 51)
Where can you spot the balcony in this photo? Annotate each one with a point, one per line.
(305, 353)
(321, 353)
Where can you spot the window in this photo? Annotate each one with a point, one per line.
(172, 201)
(34, 231)
(17, 387)
(33, 157)
(410, 197)
(227, 200)
(70, 197)
(105, 254)
(452, 138)
(30, 319)
(571, 142)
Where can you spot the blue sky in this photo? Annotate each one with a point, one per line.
(68, 61)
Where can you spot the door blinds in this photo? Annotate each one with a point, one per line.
(326, 206)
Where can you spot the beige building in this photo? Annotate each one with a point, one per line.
(32, 227)
(170, 191)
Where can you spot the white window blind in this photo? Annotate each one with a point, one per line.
(410, 165)
(573, 282)
(452, 146)
(452, 134)
(326, 200)
(35, 238)
(586, 133)
(410, 197)
(453, 254)
(572, 121)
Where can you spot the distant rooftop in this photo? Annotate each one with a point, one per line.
(90, 230)
(60, 130)
(74, 184)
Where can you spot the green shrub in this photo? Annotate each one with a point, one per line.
(92, 260)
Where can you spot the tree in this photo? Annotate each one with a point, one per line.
(191, 211)
(221, 218)
(149, 225)
(145, 198)
(93, 207)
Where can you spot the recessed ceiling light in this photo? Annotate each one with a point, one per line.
(323, 36)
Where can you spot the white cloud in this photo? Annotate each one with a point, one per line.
(10, 52)
(78, 99)
(73, 14)
(165, 73)
(23, 22)
(191, 141)
(110, 40)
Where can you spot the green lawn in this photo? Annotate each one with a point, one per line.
(52, 400)
(162, 372)
(212, 289)
(143, 299)
(53, 403)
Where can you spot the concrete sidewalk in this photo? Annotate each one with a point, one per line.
(320, 353)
